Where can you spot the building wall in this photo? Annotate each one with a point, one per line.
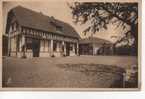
(20, 37)
(85, 49)
(17, 40)
(72, 51)
(95, 49)
(44, 48)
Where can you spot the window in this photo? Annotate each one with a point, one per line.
(59, 28)
(71, 47)
(42, 45)
(28, 43)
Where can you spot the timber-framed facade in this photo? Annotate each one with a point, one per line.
(32, 34)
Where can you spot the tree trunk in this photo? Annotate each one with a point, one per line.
(134, 32)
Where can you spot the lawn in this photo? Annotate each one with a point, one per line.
(66, 72)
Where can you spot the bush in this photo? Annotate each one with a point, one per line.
(63, 55)
(24, 56)
(52, 55)
(125, 50)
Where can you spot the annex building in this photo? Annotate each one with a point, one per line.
(95, 46)
(33, 34)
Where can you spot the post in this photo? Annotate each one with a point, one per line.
(78, 49)
(9, 44)
(64, 48)
(93, 46)
(124, 80)
(58, 48)
(51, 48)
(23, 46)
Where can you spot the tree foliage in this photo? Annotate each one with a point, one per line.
(101, 14)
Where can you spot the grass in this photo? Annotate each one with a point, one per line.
(66, 72)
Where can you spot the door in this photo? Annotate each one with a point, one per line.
(67, 49)
(36, 47)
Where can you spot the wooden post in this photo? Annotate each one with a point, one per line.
(124, 79)
(64, 44)
(51, 47)
(57, 48)
(77, 48)
(9, 44)
(23, 46)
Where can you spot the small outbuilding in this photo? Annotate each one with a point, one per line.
(95, 46)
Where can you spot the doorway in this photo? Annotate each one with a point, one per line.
(36, 47)
(67, 49)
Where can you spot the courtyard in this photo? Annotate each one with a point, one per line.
(66, 72)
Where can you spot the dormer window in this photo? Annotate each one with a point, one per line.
(59, 28)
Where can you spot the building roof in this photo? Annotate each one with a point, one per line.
(95, 40)
(36, 20)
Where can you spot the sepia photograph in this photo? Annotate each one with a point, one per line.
(71, 45)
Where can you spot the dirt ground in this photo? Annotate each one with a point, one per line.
(55, 72)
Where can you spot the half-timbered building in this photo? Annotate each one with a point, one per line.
(33, 34)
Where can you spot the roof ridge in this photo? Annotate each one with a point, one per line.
(92, 38)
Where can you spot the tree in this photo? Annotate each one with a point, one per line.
(101, 14)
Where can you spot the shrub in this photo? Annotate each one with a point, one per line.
(24, 56)
(52, 55)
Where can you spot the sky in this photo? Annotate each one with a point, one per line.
(61, 11)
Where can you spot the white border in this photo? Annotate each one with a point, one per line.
(76, 89)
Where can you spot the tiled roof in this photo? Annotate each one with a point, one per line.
(94, 40)
(37, 20)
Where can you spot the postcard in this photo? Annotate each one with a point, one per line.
(71, 45)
